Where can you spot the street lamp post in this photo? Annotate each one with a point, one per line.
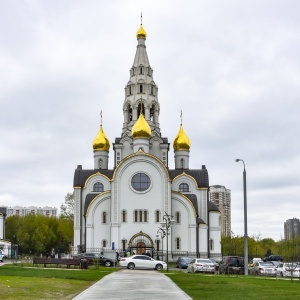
(166, 224)
(162, 235)
(245, 220)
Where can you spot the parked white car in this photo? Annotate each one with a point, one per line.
(263, 268)
(142, 262)
(201, 265)
(287, 269)
(1, 257)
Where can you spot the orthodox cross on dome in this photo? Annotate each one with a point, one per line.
(181, 117)
(101, 118)
(141, 18)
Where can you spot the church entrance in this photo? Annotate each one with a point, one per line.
(141, 248)
(141, 243)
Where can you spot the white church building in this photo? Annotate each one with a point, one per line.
(123, 207)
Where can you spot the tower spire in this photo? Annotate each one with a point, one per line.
(181, 117)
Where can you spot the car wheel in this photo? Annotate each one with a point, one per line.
(158, 267)
(131, 266)
(108, 263)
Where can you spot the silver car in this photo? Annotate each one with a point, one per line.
(263, 268)
(288, 270)
(142, 262)
(201, 265)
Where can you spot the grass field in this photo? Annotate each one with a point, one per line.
(213, 287)
(38, 283)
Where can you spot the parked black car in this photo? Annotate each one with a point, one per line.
(95, 258)
(182, 262)
(273, 258)
(232, 265)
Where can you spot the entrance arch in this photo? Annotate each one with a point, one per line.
(141, 243)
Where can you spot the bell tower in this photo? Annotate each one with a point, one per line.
(141, 97)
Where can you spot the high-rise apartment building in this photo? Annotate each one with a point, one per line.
(221, 196)
(23, 211)
(291, 228)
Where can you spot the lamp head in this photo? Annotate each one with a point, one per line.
(237, 160)
(163, 224)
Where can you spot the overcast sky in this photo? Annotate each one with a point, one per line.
(233, 67)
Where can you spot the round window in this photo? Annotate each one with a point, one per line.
(140, 182)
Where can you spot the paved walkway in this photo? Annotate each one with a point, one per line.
(134, 284)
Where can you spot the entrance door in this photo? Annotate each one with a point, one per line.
(141, 248)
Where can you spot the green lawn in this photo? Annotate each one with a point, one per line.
(38, 283)
(200, 286)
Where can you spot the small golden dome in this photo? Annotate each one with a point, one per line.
(181, 141)
(141, 34)
(141, 128)
(101, 142)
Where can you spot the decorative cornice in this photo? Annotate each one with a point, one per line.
(94, 175)
(191, 177)
(186, 198)
(97, 196)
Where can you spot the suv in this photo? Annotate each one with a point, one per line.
(95, 258)
(232, 265)
(273, 258)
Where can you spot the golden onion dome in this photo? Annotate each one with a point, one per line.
(181, 141)
(101, 142)
(141, 128)
(141, 34)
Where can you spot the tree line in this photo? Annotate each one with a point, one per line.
(37, 234)
(257, 247)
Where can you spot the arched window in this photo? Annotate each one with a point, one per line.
(139, 109)
(177, 217)
(184, 187)
(141, 88)
(182, 163)
(124, 216)
(157, 216)
(152, 110)
(129, 111)
(104, 243)
(135, 216)
(157, 245)
(177, 242)
(124, 244)
(98, 187)
(141, 70)
(100, 163)
(140, 216)
(211, 244)
(104, 215)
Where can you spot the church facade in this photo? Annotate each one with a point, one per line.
(124, 207)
